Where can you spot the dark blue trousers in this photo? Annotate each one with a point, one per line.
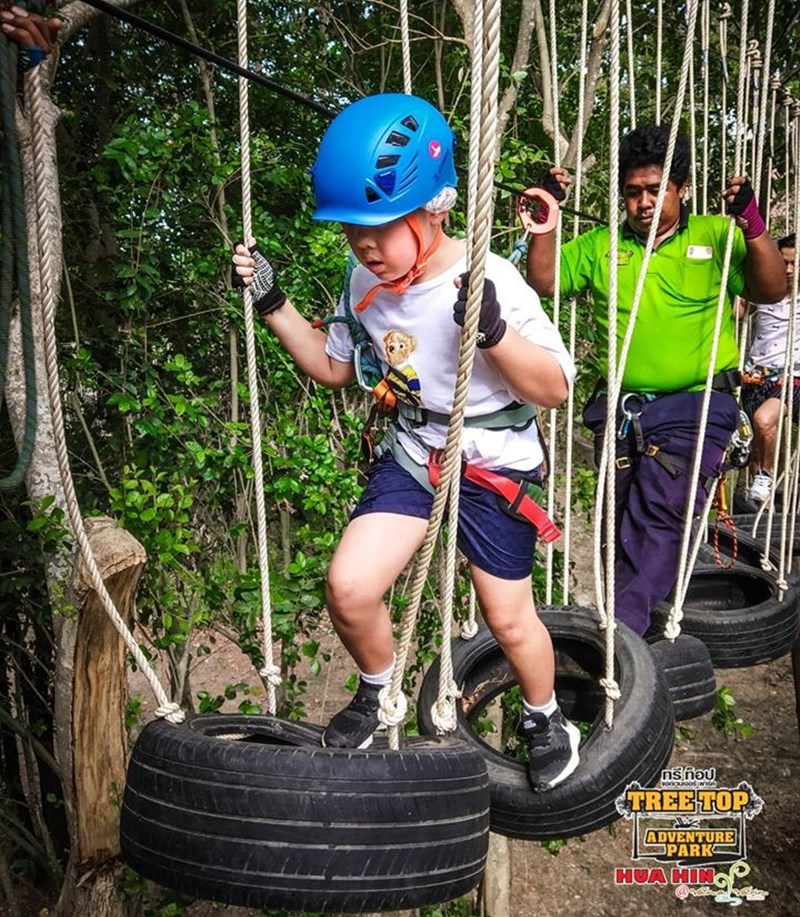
(651, 498)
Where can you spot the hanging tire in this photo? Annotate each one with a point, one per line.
(739, 615)
(689, 673)
(252, 811)
(636, 749)
(746, 521)
(741, 548)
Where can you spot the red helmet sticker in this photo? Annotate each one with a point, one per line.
(435, 149)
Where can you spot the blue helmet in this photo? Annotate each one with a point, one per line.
(381, 158)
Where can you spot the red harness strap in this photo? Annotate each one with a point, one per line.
(512, 491)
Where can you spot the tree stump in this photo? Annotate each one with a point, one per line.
(91, 697)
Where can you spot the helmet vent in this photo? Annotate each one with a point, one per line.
(371, 195)
(397, 139)
(384, 162)
(410, 122)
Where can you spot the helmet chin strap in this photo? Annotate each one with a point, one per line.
(400, 285)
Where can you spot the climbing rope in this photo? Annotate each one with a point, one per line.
(270, 672)
(573, 304)
(47, 264)
(684, 569)
(14, 264)
(478, 239)
(406, 46)
(606, 477)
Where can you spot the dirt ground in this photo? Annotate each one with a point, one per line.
(579, 881)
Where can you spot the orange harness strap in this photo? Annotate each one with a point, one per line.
(398, 286)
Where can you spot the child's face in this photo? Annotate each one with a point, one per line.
(389, 251)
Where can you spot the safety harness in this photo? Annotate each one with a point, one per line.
(518, 496)
(630, 438)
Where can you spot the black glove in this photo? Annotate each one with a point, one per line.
(491, 327)
(267, 295)
(553, 186)
(744, 207)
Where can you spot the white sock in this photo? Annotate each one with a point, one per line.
(548, 709)
(380, 678)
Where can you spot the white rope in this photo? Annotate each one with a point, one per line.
(606, 604)
(477, 250)
(659, 63)
(774, 85)
(606, 477)
(271, 671)
(684, 570)
(46, 263)
(406, 46)
(762, 113)
(573, 306)
(631, 63)
(553, 414)
(725, 13)
(705, 51)
(443, 711)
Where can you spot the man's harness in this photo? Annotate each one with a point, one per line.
(630, 436)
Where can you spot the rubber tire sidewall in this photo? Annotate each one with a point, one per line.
(280, 822)
(636, 749)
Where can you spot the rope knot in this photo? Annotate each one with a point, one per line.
(443, 712)
(171, 712)
(469, 629)
(392, 712)
(272, 674)
(611, 688)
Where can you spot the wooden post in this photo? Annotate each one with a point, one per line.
(91, 696)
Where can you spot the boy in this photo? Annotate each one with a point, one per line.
(385, 171)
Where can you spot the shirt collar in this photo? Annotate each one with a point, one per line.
(683, 222)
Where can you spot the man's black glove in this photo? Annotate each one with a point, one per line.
(267, 295)
(744, 207)
(491, 327)
(553, 186)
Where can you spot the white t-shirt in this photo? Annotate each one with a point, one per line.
(415, 338)
(772, 334)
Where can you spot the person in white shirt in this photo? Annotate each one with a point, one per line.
(762, 380)
(385, 172)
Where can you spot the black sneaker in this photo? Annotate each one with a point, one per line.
(353, 727)
(553, 746)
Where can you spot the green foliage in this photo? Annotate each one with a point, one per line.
(726, 719)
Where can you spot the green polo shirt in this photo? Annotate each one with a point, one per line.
(674, 330)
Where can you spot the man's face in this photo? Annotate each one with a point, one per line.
(640, 192)
(788, 258)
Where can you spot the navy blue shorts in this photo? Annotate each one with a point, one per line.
(753, 396)
(495, 542)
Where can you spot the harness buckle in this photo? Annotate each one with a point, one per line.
(652, 450)
(623, 462)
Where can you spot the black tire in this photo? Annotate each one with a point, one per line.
(637, 748)
(689, 673)
(742, 548)
(738, 614)
(267, 818)
(745, 522)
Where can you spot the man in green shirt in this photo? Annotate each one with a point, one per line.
(657, 418)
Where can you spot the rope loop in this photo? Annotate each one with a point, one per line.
(392, 712)
(171, 712)
(443, 715)
(469, 630)
(673, 627)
